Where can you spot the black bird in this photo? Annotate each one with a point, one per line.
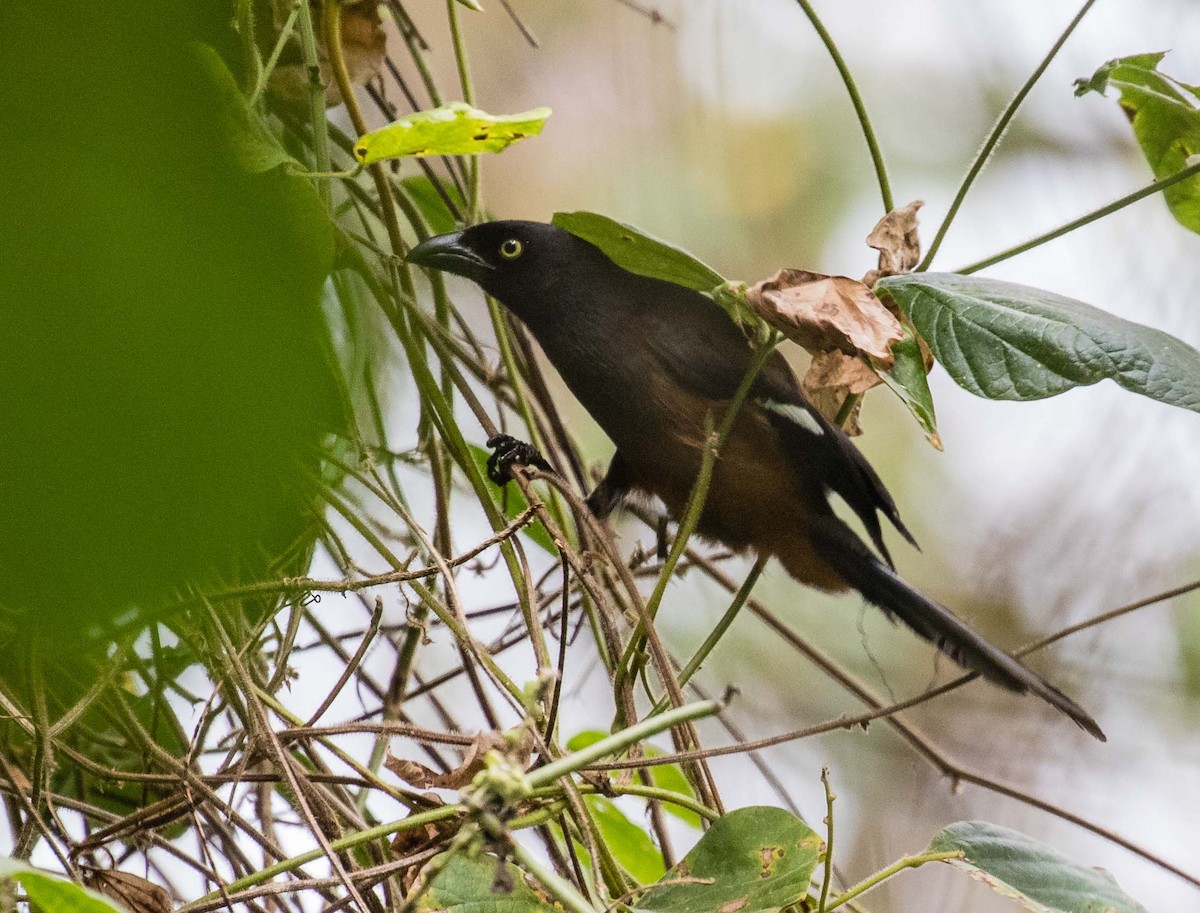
(650, 360)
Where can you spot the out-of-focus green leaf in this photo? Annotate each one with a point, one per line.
(513, 502)
(1035, 875)
(1006, 341)
(50, 893)
(908, 380)
(671, 778)
(638, 252)
(1165, 116)
(758, 859)
(431, 204)
(1187, 627)
(167, 387)
(631, 845)
(664, 776)
(453, 129)
(466, 885)
(253, 147)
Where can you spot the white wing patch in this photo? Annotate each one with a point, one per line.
(797, 415)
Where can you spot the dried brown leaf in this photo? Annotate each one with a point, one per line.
(422, 777)
(895, 237)
(831, 378)
(364, 46)
(826, 313)
(133, 892)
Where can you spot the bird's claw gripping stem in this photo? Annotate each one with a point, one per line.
(507, 452)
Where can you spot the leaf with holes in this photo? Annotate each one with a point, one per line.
(1005, 341)
(639, 252)
(753, 859)
(453, 129)
(1035, 875)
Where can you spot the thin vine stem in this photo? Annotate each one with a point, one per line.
(1114, 206)
(874, 881)
(996, 134)
(860, 109)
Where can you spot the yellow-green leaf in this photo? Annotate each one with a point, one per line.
(453, 129)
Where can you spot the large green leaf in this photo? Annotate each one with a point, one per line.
(1035, 875)
(467, 885)
(50, 893)
(1165, 116)
(753, 859)
(453, 129)
(1006, 341)
(167, 381)
(638, 252)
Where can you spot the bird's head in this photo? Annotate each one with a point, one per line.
(514, 261)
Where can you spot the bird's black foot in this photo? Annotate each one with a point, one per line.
(507, 452)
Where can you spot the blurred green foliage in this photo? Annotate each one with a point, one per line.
(166, 380)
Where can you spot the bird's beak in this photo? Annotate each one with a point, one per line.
(448, 253)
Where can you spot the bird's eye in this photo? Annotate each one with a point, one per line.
(511, 249)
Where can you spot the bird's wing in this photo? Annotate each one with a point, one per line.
(712, 357)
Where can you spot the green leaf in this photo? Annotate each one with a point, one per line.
(1005, 341)
(52, 894)
(639, 252)
(631, 845)
(758, 859)
(671, 778)
(467, 885)
(438, 215)
(1165, 116)
(1035, 875)
(908, 380)
(453, 129)
(254, 149)
(513, 502)
(664, 776)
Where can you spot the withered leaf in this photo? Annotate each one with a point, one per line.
(895, 237)
(364, 46)
(826, 313)
(423, 777)
(133, 892)
(831, 378)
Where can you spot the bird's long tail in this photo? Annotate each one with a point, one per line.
(842, 550)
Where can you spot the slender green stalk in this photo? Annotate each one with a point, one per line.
(699, 494)
(264, 73)
(997, 133)
(254, 64)
(559, 888)
(619, 741)
(361, 838)
(718, 631)
(908, 862)
(828, 873)
(860, 109)
(316, 98)
(474, 204)
(1090, 217)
